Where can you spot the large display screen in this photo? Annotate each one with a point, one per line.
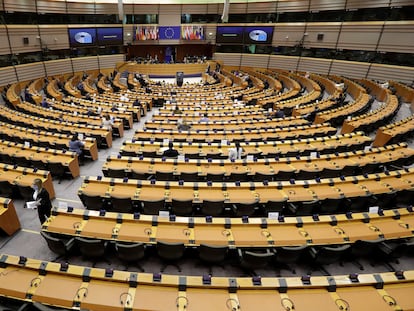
(110, 36)
(229, 34)
(192, 32)
(246, 34)
(82, 36)
(257, 34)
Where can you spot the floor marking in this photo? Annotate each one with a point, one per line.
(30, 231)
(68, 200)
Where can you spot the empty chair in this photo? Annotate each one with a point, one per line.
(238, 176)
(189, 176)
(138, 175)
(7, 159)
(389, 251)
(212, 208)
(149, 154)
(212, 255)
(58, 245)
(283, 175)
(305, 175)
(6, 190)
(305, 208)
(152, 207)
(92, 202)
(405, 197)
(215, 177)
(349, 170)
(244, 209)
(182, 207)
(170, 253)
(330, 173)
(362, 203)
(39, 165)
(330, 206)
(363, 249)
(262, 177)
(252, 260)
(289, 255)
(22, 161)
(327, 255)
(130, 253)
(274, 206)
(57, 170)
(92, 248)
(116, 173)
(121, 205)
(26, 192)
(387, 200)
(164, 175)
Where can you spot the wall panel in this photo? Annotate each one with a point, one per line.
(254, 60)
(45, 6)
(401, 2)
(106, 8)
(358, 4)
(20, 5)
(397, 37)
(81, 8)
(31, 71)
(229, 59)
(54, 37)
(18, 32)
(349, 69)
(322, 5)
(388, 72)
(109, 61)
(292, 6)
(7, 76)
(85, 63)
(283, 62)
(288, 34)
(211, 32)
(4, 41)
(58, 67)
(238, 8)
(215, 8)
(360, 35)
(146, 9)
(316, 65)
(262, 7)
(129, 29)
(330, 33)
(194, 8)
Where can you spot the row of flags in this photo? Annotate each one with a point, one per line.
(151, 32)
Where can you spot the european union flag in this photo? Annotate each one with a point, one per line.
(169, 32)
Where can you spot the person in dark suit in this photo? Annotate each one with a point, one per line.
(41, 196)
(170, 152)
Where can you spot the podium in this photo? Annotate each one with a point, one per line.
(9, 222)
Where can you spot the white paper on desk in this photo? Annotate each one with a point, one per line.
(164, 214)
(373, 210)
(93, 213)
(181, 158)
(80, 136)
(273, 215)
(63, 205)
(367, 148)
(250, 158)
(27, 144)
(313, 154)
(270, 109)
(31, 205)
(224, 142)
(165, 142)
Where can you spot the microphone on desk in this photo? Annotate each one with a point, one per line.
(127, 300)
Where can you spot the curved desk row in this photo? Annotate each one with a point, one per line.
(195, 116)
(40, 138)
(326, 144)
(14, 117)
(249, 192)
(98, 289)
(394, 131)
(233, 232)
(372, 119)
(393, 154)
(23, 176)
(68, 117)
(45, 155)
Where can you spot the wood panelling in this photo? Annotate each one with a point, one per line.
(109, 61)
(146, 8)
(316, 65)
(85, 63)
(54, 37)
(58, 67)
(330, 33)
(4, 42)
(31, 71)
(47, 6)
(19, 5)
(7, 76)
(262, 7)
(194, 8)
(288, 34)
(349, 69)
(292, 6)
(238, 8)
(322, 5)
(229, 59)
(358, 4)
(255, 60)
(283, 62)
(397, 37)
(106, 8)
(388, 72)
(81, 8)
(360, 35)
(18, 32)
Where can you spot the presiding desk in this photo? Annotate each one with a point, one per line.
(9, 222)
(23, 176)
(336, 162)
(248, 192)
(232, 232)
(78, 287)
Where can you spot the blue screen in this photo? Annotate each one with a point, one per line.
(110, 36)
(229, 34)
(82, 36)
(258, 34)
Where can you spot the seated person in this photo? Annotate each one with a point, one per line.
(236, 152)
(75, 145)
(107, 122)
(278, 113)
(177, 110)
(205, 118)
(182, 125)
(170, 152)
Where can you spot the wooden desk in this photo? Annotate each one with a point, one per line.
(9, 222)
(232, 232)
(388, 132)
(89, 288)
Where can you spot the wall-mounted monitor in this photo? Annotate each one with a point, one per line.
(229, 34)
(82, 37)
(192, 32)
(143, 33)
(258, 34)
(110, 36)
